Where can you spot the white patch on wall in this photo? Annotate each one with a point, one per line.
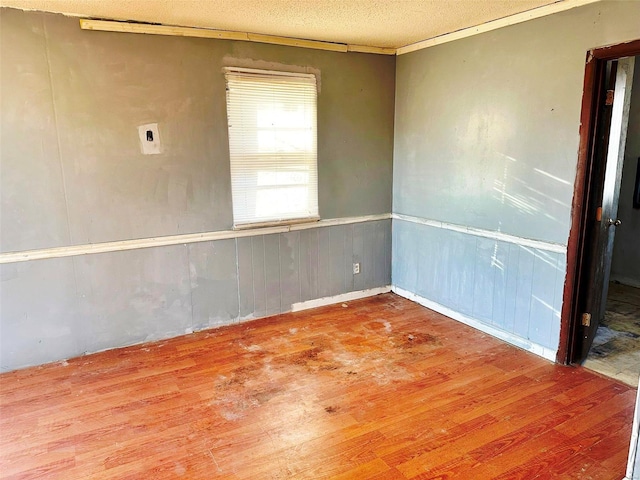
(149, 139)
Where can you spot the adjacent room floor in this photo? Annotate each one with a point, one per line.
(379, 388)
(616, 347)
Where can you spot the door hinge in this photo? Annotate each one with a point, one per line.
(586, 319)
(609, 99)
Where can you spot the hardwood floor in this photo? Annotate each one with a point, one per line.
(380, 388)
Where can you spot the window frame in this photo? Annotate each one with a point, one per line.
(311, 185)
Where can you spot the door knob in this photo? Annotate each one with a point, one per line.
(615, 223)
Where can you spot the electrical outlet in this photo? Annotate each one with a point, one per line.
(356, 268)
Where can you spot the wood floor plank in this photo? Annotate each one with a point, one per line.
(520, 453)
(617, 400)
(608, 438)
(380, 389)
(370, 469)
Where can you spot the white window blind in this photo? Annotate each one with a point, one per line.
(272, 145)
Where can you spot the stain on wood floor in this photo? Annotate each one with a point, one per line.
(381, 388)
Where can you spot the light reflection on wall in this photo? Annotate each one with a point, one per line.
(530, 191)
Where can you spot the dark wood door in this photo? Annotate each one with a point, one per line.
(607, 158)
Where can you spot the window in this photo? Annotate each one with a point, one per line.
(272, 145)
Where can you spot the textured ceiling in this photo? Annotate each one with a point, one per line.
(382, 23)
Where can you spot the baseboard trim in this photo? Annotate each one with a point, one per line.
(343, 297)
(519, 342)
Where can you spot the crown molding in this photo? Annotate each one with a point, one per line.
(150, 29)
(557, 7)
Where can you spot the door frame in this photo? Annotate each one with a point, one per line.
(577, 243)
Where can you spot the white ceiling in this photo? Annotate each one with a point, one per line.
(381, 23)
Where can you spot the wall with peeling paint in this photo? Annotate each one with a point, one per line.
(71, 173)
(625, 266)
(486, 139)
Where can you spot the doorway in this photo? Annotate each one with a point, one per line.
(605, 111)
(615, 348)
(615, 351)
(593, 219)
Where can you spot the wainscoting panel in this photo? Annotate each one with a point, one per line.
(133, 296)
(276, 271)
(511, 287)
(214, 283)
(57, 308)
(39, 312)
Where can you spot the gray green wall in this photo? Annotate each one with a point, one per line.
(486, 138)
(72, 101)
(625, 266)
(484, 154)
(71, 173)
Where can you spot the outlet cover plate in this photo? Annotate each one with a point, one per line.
(149, 139)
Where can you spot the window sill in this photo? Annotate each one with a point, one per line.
(280, 223)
